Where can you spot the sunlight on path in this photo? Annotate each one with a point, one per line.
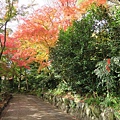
(28, 107)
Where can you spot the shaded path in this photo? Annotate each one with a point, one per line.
(28, 107)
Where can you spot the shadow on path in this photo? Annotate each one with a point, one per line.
(28, 107)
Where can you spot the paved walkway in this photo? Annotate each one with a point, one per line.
(28, 107)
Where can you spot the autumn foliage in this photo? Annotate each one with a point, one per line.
(39, 32)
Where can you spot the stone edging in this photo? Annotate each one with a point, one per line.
(5, 103)
(80, 110)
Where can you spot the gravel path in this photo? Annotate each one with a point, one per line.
(28, 107)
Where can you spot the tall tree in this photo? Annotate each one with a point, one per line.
(10, 12)
(39, 32)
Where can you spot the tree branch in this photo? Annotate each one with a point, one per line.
(5, 35)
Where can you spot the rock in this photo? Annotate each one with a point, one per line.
(95, 111)
(88, 110)
(81, 110)
(54, 101)
(107, 114)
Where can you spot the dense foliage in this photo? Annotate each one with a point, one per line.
(88, 41)
(84, 47)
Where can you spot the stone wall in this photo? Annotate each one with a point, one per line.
(5, 98)
(80, 110)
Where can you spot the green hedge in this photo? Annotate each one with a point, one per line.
(92, 39)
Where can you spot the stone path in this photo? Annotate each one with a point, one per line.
(28, 107)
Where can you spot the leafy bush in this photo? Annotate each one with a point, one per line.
(109, 78)
(83, 45)
(61, 89)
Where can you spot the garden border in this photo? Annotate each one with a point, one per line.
(80, 110)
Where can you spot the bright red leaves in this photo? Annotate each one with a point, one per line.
(40, 31)
(108, 65)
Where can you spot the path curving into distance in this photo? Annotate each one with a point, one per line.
(29, 107)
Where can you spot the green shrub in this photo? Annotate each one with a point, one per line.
(82, 46)
(109, 80)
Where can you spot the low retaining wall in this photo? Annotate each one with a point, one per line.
(80, 110)
(4, 103)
